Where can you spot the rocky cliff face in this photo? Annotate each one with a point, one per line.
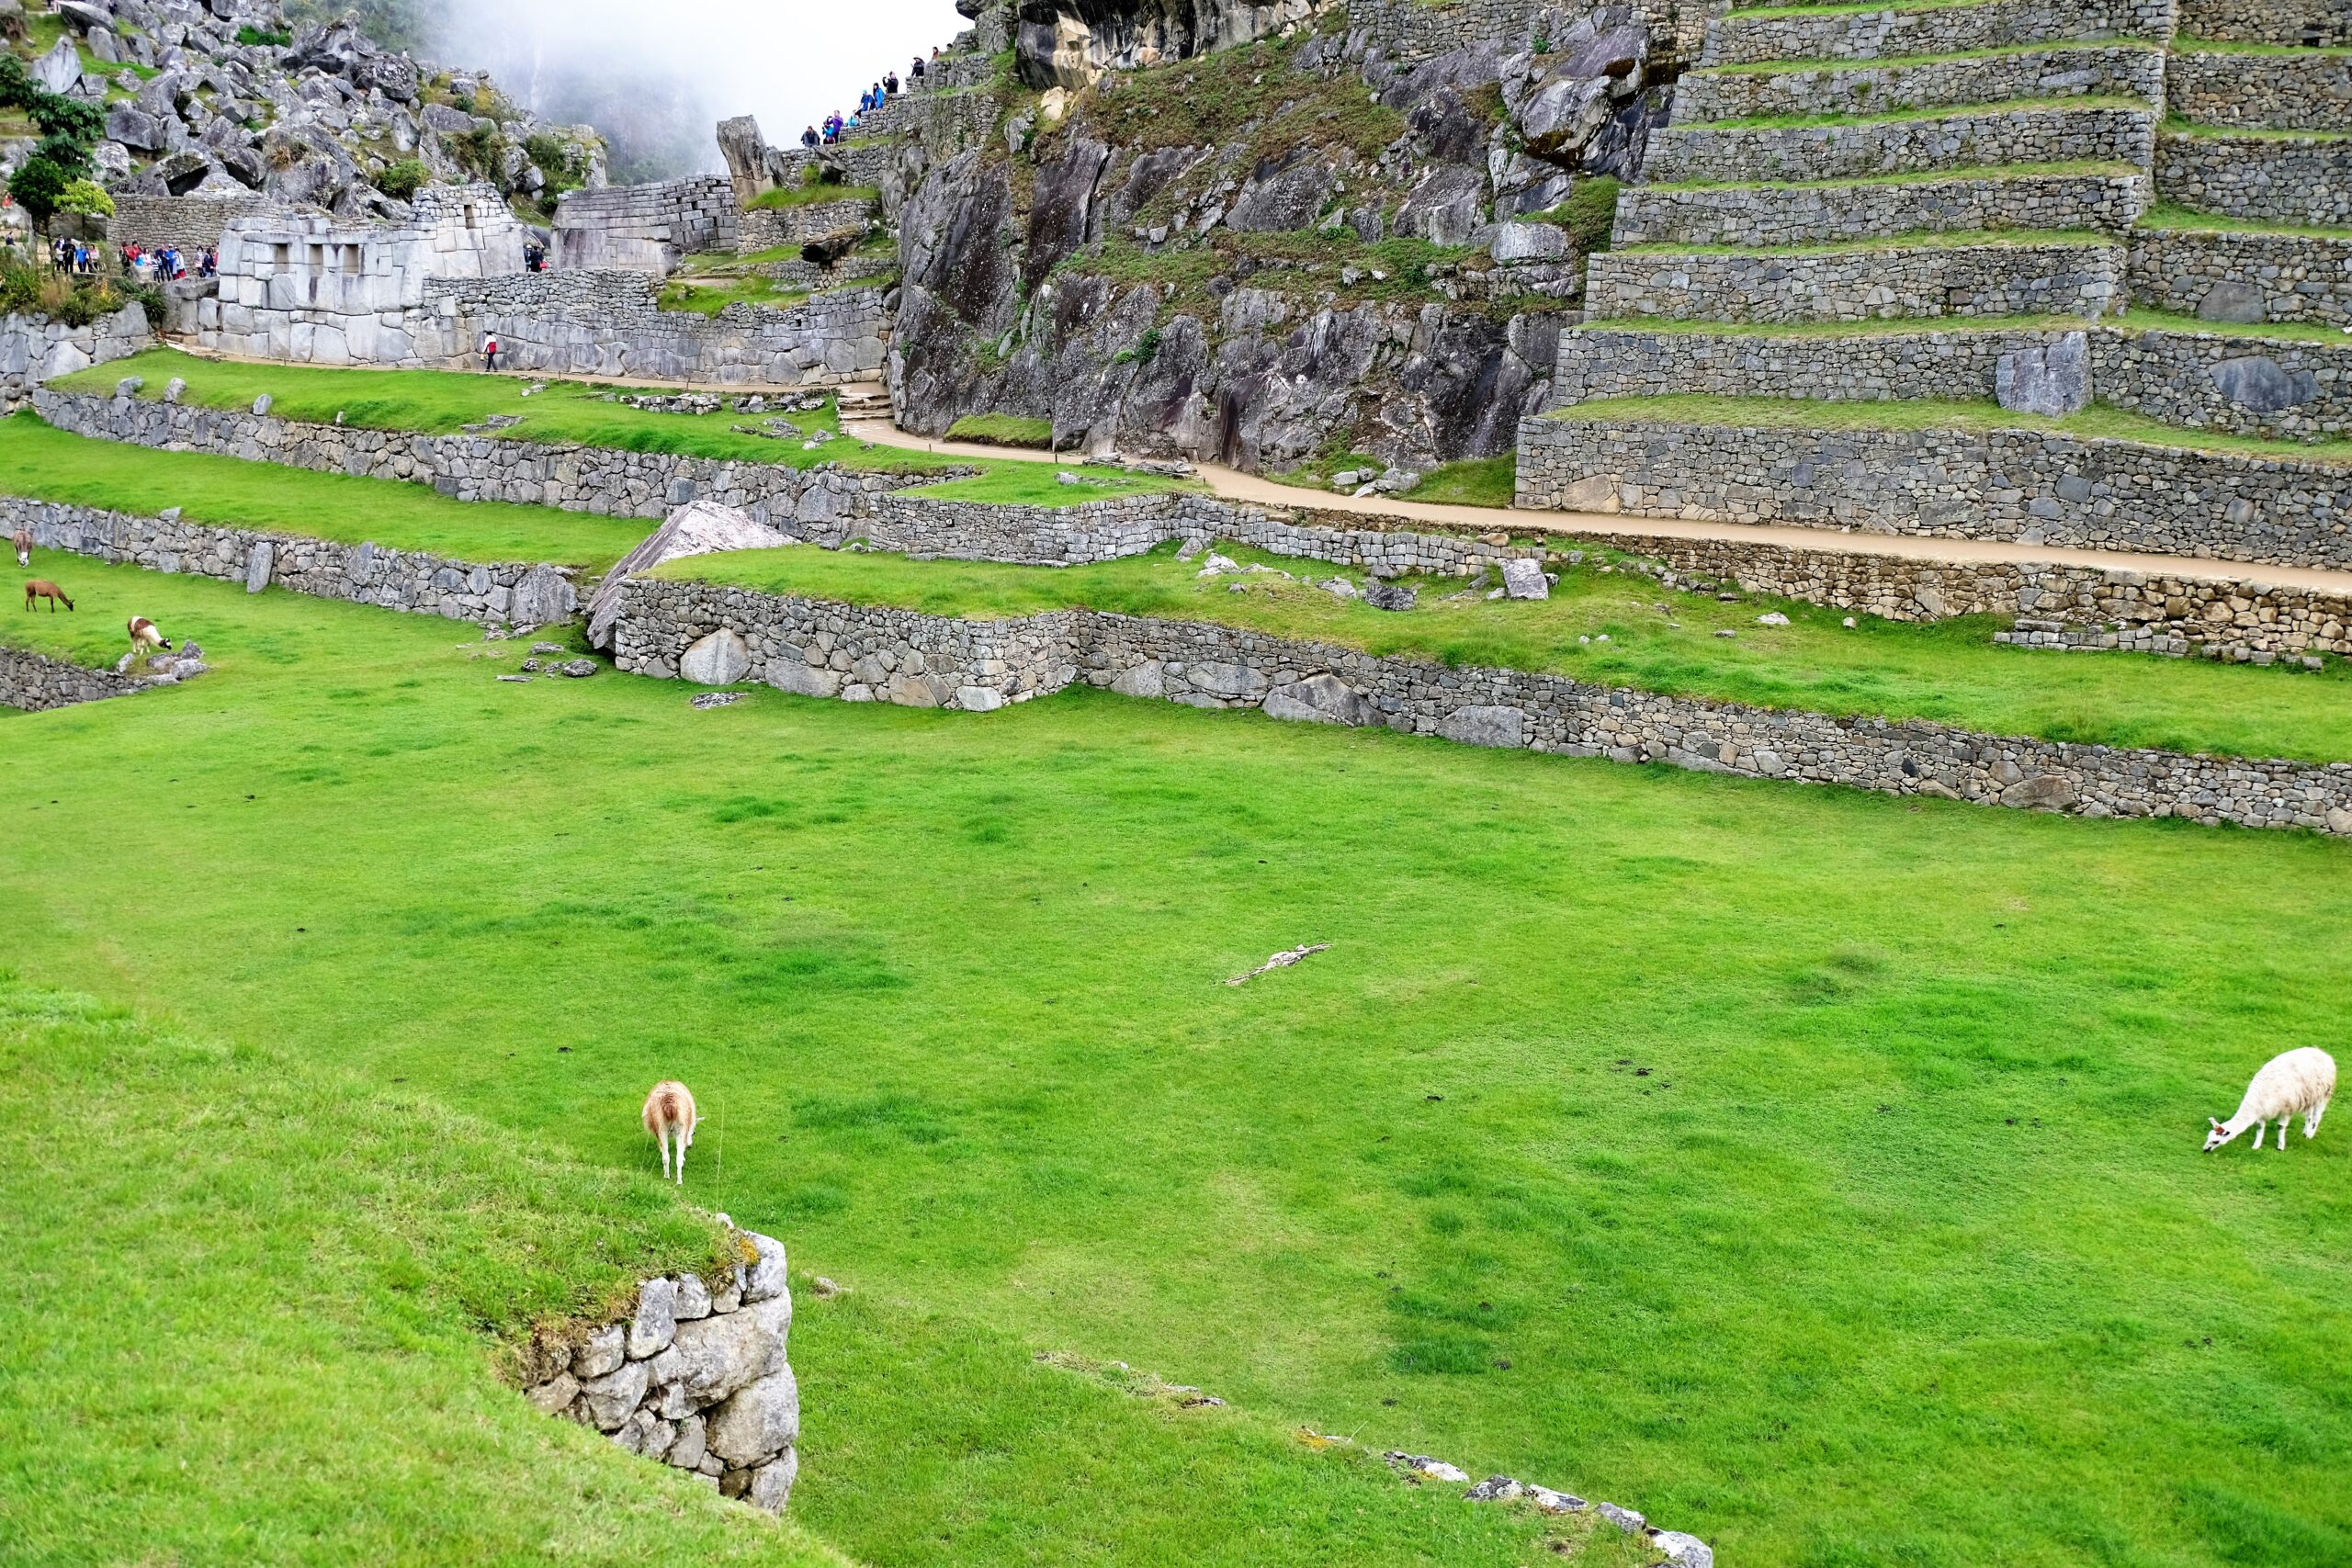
(1272, 249)
(224, 99)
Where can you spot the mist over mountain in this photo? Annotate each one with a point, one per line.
(657, 76)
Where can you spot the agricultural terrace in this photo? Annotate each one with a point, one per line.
(1813, 1170)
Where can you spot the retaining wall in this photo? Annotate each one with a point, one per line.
(34, 349)
(1914, 283)
(191, 222)
(364, 574)
(1754, 37)
(1955, 141)
(819, 648)
(699, 1378)
(645, 228)
(2267, 178)
(2269, 92)
(34, 683)
(771, 228)
(2276, 388)
(1801, 215)
(1866, 88)
(2246, 278)
(2027, 486)
(2297, 23)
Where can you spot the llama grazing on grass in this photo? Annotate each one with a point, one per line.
(24, 543)
(39, 588)
(146, 637)
(670, 1114)
(2300, 1080)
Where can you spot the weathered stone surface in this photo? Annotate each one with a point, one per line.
(656, 1323)
(687, 1448)
(1684, 1551)
(2051, 381)
(1320, 699)
(554, 1397)
(1525, 579)
(1625, 1519)
(723, 1353)
(756, 1421)
(2044, 792)
(1485, 725)
(601, 1352)
(719, 660)
(691, 1298)
(765, 1279)
(2258, 382)
(612, 1397)
(771, 1486)
(2239, 304)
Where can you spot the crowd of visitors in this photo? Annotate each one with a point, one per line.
(162, 264)
(836, 126)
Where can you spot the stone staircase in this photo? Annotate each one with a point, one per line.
(1965, 204)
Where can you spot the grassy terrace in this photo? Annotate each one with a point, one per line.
(1997, 172)
(1779, 67)
(2172, 215)
(1950, 672)
(2137, 319)
(567, 412)
(247, 1310)
(1904, 116)
(1900, 1252)
(45, 464)
(1922, 240)
(2097, 422)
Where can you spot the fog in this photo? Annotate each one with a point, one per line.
(658, 75)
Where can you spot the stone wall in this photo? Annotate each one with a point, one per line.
(1916, 282)
(34, 349)
(2029, 486)
(607, 324)
(191, 222)
(1798, 215)
(828, 505)
(1752, 37)
(1956, 141)
(699, 1378)
(645, 228)
(2296, 23)
(1867, 87)
(364, 574)
(819, 648)
(2276, 388)
(2268, 178)
(2220, 617)
(2245, 278)
(34, 683)
(604, 479)
(2273, 92)
(771, 228)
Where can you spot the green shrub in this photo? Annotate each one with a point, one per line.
(17, 88)
(69, 120)
(404, 179)
(1589, 214)
(85, 196)
(263, 37)
(38, 186)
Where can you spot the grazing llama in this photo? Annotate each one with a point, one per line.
(147, 637)
(670, 1114)
(39, 588)
(24, 543)
(2300, 1080)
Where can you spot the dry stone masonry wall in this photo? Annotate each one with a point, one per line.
(34, 683)
(2270, 179)
(1757, 36)
(698, 1378)
(772, 228)
(644, 227)
(34, 349)
(863, 653)
(190, 223)
(523, 594)
(2243, 278)
(2271, 91)
(2295, 22)
(2022, 485)
(1899, 282)
(1957, 140)
(1869, 87)
(1800, 214)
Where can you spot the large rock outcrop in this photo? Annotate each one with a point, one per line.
(1069, 43)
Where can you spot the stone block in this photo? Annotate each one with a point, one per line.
(2052, 380)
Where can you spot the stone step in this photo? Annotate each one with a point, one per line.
(1867, 32)
(2273, 178)
(1957, 139)
(2014, 276)
(2304, 24)
(1829, 212)
(2113, 71)
(2232, 382)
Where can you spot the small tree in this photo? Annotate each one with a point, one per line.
(403, 180)
(40, 185)
(73, 119)
(85, 196)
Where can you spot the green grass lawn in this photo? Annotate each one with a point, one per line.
(46, 464)
(1950, 672)
(1002, 430)
(443, 402)
(1814, 1171)
(246, 1315)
